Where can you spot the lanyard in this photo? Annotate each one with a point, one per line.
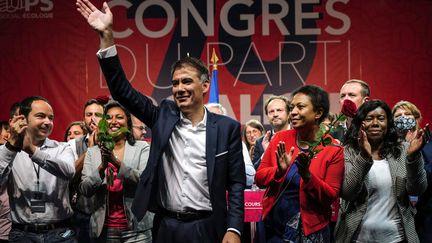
(37, 174)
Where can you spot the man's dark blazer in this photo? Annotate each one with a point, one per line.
(225, 165)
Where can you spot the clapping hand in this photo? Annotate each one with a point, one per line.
(18, 128)
(92, 139)
(283, 159)
(266, 140)
(364, 145)
(19, 135)
(416, 142)
(303, 161)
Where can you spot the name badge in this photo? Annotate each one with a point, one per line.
(37, 200)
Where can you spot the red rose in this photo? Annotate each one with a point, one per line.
(349, 109)
(102, 99)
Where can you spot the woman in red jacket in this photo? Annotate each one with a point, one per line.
(296, 206)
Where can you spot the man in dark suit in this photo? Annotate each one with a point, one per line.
(195, 155)
(277, 111)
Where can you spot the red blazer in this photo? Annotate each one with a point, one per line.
(317, 195)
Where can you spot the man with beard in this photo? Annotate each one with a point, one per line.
(277, 112)
(91, 108)
(80, 204)
(37, 170)
(138, 129)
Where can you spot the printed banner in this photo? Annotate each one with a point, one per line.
(264, 47)
(253, 205)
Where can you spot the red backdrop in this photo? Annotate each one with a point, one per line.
(47, 49)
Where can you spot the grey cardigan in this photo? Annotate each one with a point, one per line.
(408, 179)
(135, 160)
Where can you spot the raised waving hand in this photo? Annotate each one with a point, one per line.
(100, 20)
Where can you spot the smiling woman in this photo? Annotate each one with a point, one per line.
(253, 129)
(297, 204)
(111, 177)
(381, 173)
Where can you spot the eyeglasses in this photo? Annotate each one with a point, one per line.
(142, 128)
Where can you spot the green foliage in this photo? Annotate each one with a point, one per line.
(341, 117)
(106, 138)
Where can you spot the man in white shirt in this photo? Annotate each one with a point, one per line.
(195, 157)
(37, 170)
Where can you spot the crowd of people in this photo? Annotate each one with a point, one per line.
(326, 179)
